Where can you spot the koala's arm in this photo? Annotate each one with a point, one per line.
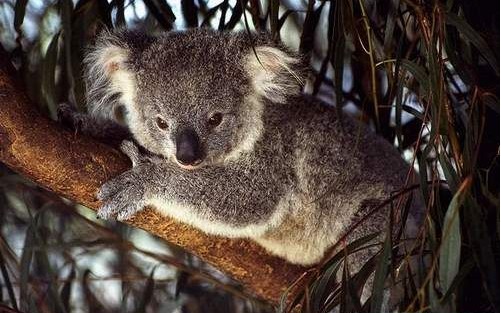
(230, 200)
(102, 129)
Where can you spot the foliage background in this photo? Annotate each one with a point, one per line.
(423, 74)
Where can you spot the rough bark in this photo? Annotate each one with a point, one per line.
(74, 166)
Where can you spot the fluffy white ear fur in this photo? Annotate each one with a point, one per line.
(272, 73)
(108, 80)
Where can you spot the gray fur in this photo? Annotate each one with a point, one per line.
(281, 169)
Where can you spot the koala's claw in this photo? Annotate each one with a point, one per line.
(127, 180)
(120, 206)
(131, 150)
(118, 210)
(65, 108)
(105, 213)
(123, 196)
(68, 115)
(107, 190)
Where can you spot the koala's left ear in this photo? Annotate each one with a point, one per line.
(275, 74)
(109, 76)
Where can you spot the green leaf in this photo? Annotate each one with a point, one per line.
(413, 111)
(390, 26)
(66, 7)
(350, 301)
(423, 172)
(166, 11)
(398, 112)
(66, 290)
(418, 72)
(450, 246)
(274, 7)
(283, 18)
(190, 13)
(481, 244)
(19, 13)
(435, 305)
(475, 38)
(237, 14)
(25, 263)
(92, 301)
(120, 15)
(224, 9)
(161, 12)
(148, 293)
(380, 276)
(449, 172)
(350, 248)
(491, 101)
(309, 26)
(210, 15)
(287, 306)
(463, 272)
(338, 66)
(7, 283)
(48, 75)
(319, 291)
(458, 63)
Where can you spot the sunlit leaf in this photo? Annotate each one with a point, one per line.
(450, 246)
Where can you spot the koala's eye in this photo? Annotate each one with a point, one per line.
(161, 123)
(215, 119)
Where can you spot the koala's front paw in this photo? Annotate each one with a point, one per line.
(68, 115)
(131, 150)
(122, 196)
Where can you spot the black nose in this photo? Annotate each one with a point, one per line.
(188, 150)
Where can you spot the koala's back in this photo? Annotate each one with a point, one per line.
(339, 156)
(342, 171)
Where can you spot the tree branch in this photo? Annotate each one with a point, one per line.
(75, 166)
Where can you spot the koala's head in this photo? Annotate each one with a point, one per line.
(195, 97)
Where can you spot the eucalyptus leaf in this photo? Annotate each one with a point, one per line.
(383, 264)
(450, 245)
(475, 38)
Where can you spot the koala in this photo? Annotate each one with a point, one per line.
(222, 138)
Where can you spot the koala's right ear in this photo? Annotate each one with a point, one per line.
(109, 76)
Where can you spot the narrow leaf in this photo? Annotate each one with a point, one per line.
(450, 247)
(475, 38)
(19, 13)
(274, 6)
(418, 72)
(380, 276)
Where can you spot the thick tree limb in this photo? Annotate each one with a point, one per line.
(74, 167)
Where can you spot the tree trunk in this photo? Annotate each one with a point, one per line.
(74, 167)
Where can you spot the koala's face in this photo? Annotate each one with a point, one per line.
(196, 97)
(193, 105)
(190, 120)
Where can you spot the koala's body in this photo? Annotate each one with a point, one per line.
(234, 148)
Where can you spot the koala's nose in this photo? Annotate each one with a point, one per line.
(188, 149)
